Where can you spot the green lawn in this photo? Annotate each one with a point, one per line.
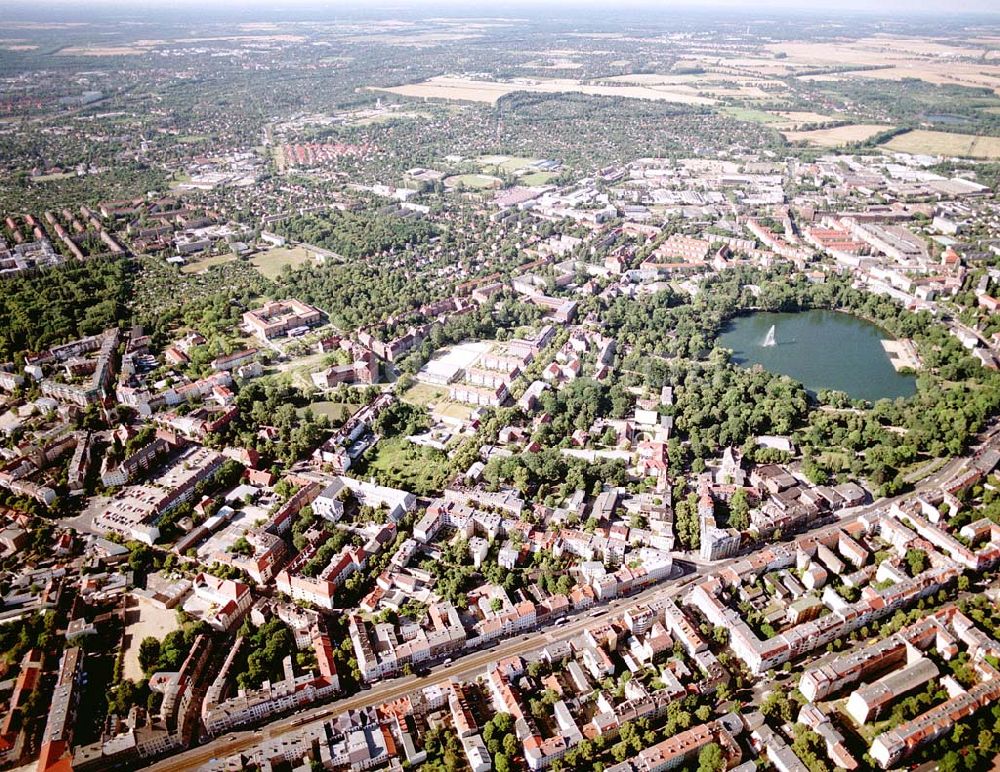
(537, 178)
(401, 464)
(473, 181)
(506, 163)
(337, 412)
(425, 394)
(202, 263)
(53, 176)
(749, 114)
(271, 263)
(179, 179)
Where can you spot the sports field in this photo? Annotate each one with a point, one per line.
(271, 263)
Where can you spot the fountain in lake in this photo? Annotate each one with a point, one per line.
(769, 339)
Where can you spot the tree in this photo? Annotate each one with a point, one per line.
(951, 762)
(916, 561)
(711, 758)
(149, 653)
(739, 510)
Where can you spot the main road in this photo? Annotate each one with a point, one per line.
(474, 663)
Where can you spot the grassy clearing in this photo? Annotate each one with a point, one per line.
(749, 114)
(372, 120)
(840, 135)
(337, 412)
(473, 181)
(401, 464)
(923, 142)
(204, 263)
(505, 163)
(425, 394)
(537, 178)
(454, 410)
(298, 372)
(435, 399)
(179, 179)
(270, 264)
(835, 459)
(52, 177)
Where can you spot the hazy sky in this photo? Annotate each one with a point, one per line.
(472, 7)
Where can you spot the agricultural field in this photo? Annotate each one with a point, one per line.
(469, 90)
(710, 84)
(271, 263)
(837, 136)
(894, 58)
(923, 142)
(792, 120)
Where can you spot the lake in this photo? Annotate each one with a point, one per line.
(822, 350)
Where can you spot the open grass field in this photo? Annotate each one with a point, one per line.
(840, 135)
(299, 370)
(270, 264)
(435, 399)
(52, 177)
(400, 463)
(750, 114)
(537, 178)
(781, 120)
(455, 410)
(203, 263)
(792, 120)
(424, 394)
(372, 120)
(178, 180)
(712, 84)
(337, 412)
(473, 181)
(506, 163)
(923, 142)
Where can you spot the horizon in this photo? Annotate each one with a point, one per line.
(889, 9)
